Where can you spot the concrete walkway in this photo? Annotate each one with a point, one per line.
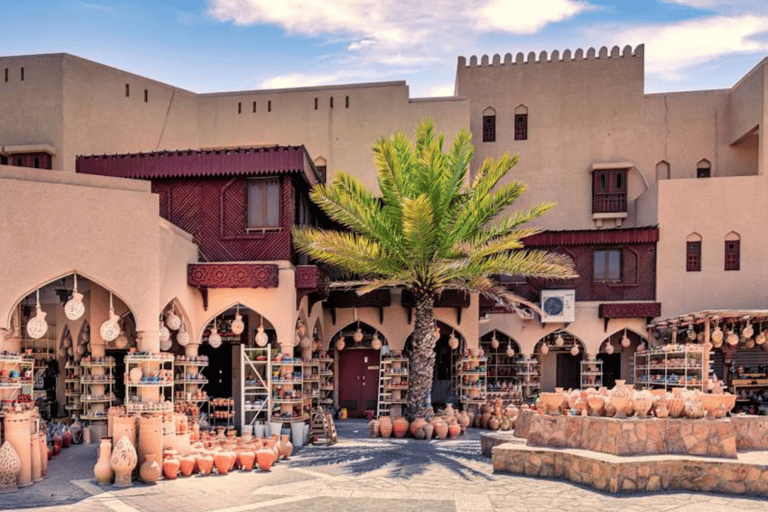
(356, 474)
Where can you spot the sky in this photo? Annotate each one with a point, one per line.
(229, 45)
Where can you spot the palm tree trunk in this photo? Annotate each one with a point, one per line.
(422, 358)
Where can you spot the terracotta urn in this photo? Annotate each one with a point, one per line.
(103, 470)
(710, 403)
(385, 427)
(621, 398)
(416, 425)
(221, 463)
(171, 467)
(429, 430)
(123, 460)
(187, 465)
(373, 428)
(676, 403)
(642, 402)
(232, 459)
(204, 463)
(400, 426)
(10, 465)
(693, 409)
(485, 418)
(264, 458)
(463, 420)
(454, 429)
(287, 448)
(596, 404)
(661, 409)
(441, 429)
(150, 471)
(17, 429)
(151, 437)
(247, 458)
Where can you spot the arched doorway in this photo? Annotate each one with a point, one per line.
(618, 359)
(506, 379)
(560, 360)
(443, 384)
(358, 367)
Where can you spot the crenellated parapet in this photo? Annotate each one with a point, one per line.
(532, 58)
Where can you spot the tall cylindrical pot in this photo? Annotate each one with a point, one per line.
(297, 433)
(150, 437)
(17, 432)
(37, 466)
(124, 425)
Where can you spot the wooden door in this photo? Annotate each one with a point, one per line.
(568, 371)
(358, 381)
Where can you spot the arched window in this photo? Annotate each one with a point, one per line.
(321, 165)
(662, 170)
(693, 253)
(489, 125)
(703, 168)
(732, 251)
(521, 122)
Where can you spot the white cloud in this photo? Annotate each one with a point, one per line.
(440, 91)
(673, 48)
(527, 17)
(290, 80)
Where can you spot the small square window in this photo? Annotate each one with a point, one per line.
(607, 266)
(693, 256)
(489, 128)
(263, 203)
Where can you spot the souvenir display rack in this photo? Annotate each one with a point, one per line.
(189, 380)
(222, 412)
(311, 378)
(41, 350)
(10, 381)
(256, 379)
(528, 371)
(591, 373)
(145, 372)
(97, 381)
(471, 380)
(287, 390)
(672, 365)
(72, 388)
(393, 385)
(326, 381)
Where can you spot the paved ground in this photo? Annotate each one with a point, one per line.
(362, 474)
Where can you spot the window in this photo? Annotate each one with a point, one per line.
(607, 266)
(269, 106)
(239, 107)
(254, 107)
(22, 73)
(263, 203)
(693, 256)
(521, 122)
(321, 165)
(609, 190)
(703, 169)
(732, 251)
(315, 103)
(489, 125)
(146, 95)
(6, 74)
(36, 163)
(346, 102)
(662, 170)
(127, 91)
(331, 101)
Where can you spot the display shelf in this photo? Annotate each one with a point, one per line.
(189, 381)
(591, 373)
(471, 379)
(393, 383)
(287, 390)
(312, 379)
(256, 373)
(222, 412)
(97, 379)
(672, 365)
(10, 383)
(145, 371)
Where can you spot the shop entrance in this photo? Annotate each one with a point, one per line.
(611, 369)
(568, 371)
(358, 380)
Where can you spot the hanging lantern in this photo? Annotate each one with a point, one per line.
(340, 343)
(691, 334)
(760, 338)
(574, 350)
(748, 331)
(37, 327)
(296, 339)
(494, 342)
(301, 329)
(261, 336)
(453, 341)
(121, 341)
(305, 342)
(74, 308)
(237, 324)
(625, 341)
(172, 320)
(480, 351)
(717, 337)
(559, 341)
(163, 333)
(166, 344)
(358, 336)
(609, 348)
(182, 337)
(750, 343)
(111, 328)
(544, 349)
(375, 341)
(732, 339)
(510, 350)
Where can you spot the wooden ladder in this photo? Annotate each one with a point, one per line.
(322, 427)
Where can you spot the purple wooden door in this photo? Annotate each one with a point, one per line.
(358, 381)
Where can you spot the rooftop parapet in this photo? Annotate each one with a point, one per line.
(567, 56)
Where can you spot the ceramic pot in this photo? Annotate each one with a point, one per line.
(37, 469)
(123, 460)
(455, 429)
(16, 430)
(151, 436)
(103, 470)
(710, 404)
(661, 409)
(171, 467)
(429, 430)
(416, 425)
(373, 428)
(124, 425)
(596, 404)
(150, 471)
(287, 448)
(221, 461)
(10, 465)
(693, 409)
(642, 402)
(264, 458)
(247, 458)
(385, 427)
(205, 464)
(400, 426)
(621, 398)
(493, 423)
(676, 403)
(463, 420)
(186, 465)
(441, 429)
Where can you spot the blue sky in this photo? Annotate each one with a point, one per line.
(225, 45)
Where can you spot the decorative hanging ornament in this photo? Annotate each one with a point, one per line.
(182, 337)
(237, 324)
(163, 333)
(691, 333)
(166, 344)
(510, 350)
(173, 321)
(375, 341)
(121, 341)
(760, 338)
(261, 336)
(74, 308)
(750, 343)
(110, 329)
(453, 341)
(732, 339)
(609, 348)
(37, 327)
(748, 331)
(625, 342)
(574, 350)
(301, 329)
(544, 349)
(358, 336)
(214, 339)
(340, 343)
(306, 342)
(559, 341)
(717, 337)
(494, 342)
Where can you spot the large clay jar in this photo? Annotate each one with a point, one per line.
(400, 426)
(621, 398)
(373, 428)
(17, 427)
(676, 403)
(186, 465)
(124, 425)
(596, 404)
(150, 471)
(205, 464)
(171, 467)
(493, 423)
(642, 402)
(103, 470)
(486, 417)
(693, 408)
(441, 429)
(221, 461)
(287, 448)
(37, 468)
(247, 458)
(10, 465)
(151, 436)
(661, 409)
(454, 430)
(264, 458)
(416, 425)
(385, 427)
(710, 403)
(463, 420)
(123, 460)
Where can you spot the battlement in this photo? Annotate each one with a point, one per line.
(567, 56)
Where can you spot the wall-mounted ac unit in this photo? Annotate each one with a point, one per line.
(558, 306)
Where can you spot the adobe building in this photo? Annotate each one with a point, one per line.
(176, 202)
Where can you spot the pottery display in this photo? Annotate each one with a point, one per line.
(150, 471)
(221, 462)
(124, 459)
(186, 465)
(621, 398)
(454, 429)
(642, 402)
(693, 409)
(596, 404)
(416, 425)
(205, 464)
(441, 429)
(150, 437)
(400, 426)
(676, 403)
(264, 458)
(385, 426)
(17, 431)
(10, 465)
(247, 458)
(171, 468)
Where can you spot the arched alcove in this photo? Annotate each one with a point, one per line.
(703, 168)
(618, 359)
(559, 367)
(662, 170)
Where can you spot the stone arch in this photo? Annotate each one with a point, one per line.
(503, 338)
(521, 109)
(663, 170)
(350, 329)
(234, 306)
(693, 237)
(489, 111)
(732, 236)
(568, 341)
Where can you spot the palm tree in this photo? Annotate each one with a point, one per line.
(430, 230)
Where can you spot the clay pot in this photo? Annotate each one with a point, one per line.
(416, 425)
(124, 459)
(205, 464)
(642, 402)
(44, 455)
(621, 398)
(171, 468)
(429, 430)
(150, 436)
(232, 459)
(287, 448)
(693, 409)
(10, 465)
(596, 404)
(37, 469)
(676, 404)
(264, 458)
(486, 417)
(493, 423)
(66, 439)
(506, 423)
(463, 420)
(247, 458)
(661, 410)
(17, 431)
(150, 471)
(400, 426)
(385, 428)
(454, 430)
(125, 425)
(373, 428)
(187, 465)
(441, 429)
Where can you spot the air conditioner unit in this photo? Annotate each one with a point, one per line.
(558, 306)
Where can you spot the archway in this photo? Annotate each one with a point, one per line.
(506, 377)
(617, 352)
(560, 360)
(358, 347)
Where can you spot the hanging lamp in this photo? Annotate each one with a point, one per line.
(261, 336)
(214, 339)
(172, 320)
(609, 348)
(717, 337)
(74, 308)
(575, 350)
(110, 329)
(494, 341)
(163, 333)
(510, 350)
(237, 324)
(376, 342)
(544, 349)
(453, 341)
(37, 327)
(559, 341)
(625, 341)
(182, 337)
(340, 344)
(748, 331)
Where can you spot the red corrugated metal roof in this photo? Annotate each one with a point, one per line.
(197, 163)
(644, 235)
